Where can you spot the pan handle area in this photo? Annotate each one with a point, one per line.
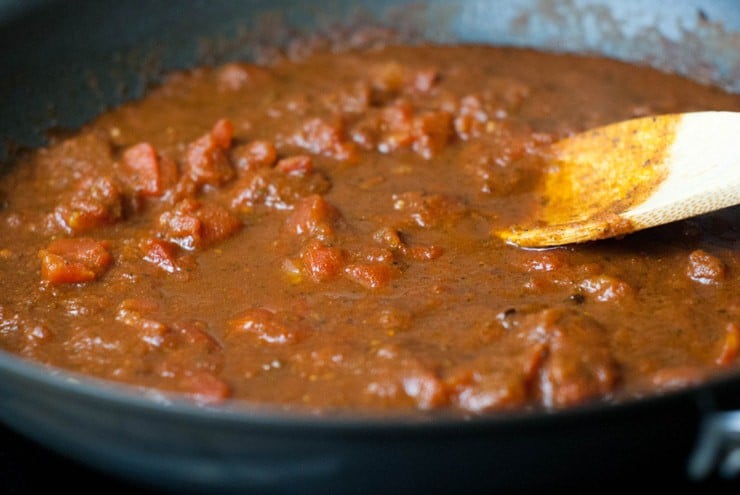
(717, 450)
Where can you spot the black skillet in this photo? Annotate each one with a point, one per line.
(61, 62)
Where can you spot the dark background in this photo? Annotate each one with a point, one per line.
(27, 468)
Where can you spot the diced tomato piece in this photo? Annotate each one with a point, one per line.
(425, 388)
(296, 165)
(180, 225)
(268, 326)
(191, 224)
(205, 387)
(185, 189)
(373, 254)
(145, 172)
(356, 99)
(253, 189)
(389, 76)
(397, 121)
(275, 189)
(223, 133)
(69, 261)
(366, 133)
(136, 313)
(705, 268)
(424, 80)
(257, 154)
(206, 159)
(390, 237)
(493, 391)
(195, 333)
(431, 132)
(424, 253)
(398, 116)
(140, 305)
(543, 261)
(322, 262)
(314, 216)
(371, 276)
(57, 270)
(428, 210)
(168, 174)
(580, 364)
(141, 168)
(472, 117)
(160, 253)
(606, 288)
(95, 202)
(404, 375)
(496, 382)
(320, 137)
(427, 133)
(217, 223)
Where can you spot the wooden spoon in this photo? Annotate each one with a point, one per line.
(636, 174)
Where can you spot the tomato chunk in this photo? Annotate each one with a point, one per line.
(371, 276)
(705, 268)
(296, 165)
(145, 172)
(275, 189)
(191, 224)
(542, 261)
(388, 77)
(428, 210)
(138, 315)
(257, 154)
(322, 262)
(425, 80)
(580, 365)
(270, 327)
(223, 133)
(606, 288)
(181, 225)
(195, 333)
(217, 223)
(424, 253)
(205, 387)
(431, 133)
(69, 261)
(206, 159)
(324, 138)
(313, 216)
(96, 201)
(397, 120)
(160, 253)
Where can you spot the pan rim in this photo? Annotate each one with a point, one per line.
(239, 412)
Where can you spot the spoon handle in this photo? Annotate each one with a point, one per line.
(703, 166)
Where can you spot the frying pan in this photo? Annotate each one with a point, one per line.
(64, 62)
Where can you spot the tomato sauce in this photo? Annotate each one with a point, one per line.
(318, 234)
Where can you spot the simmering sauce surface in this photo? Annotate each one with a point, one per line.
(318, 234)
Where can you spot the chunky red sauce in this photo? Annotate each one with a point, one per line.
(318, 234)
